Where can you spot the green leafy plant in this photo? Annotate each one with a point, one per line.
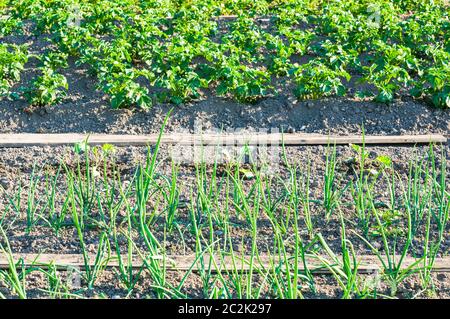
(47, 89)
(315, 80)
(12, 62)
(438, 78)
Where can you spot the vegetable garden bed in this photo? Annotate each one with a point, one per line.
(346, 196)
(230, 210)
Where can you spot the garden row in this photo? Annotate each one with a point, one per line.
(144, 52)
(328, 204)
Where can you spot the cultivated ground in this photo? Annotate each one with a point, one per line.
(304, 67)
(33, 229)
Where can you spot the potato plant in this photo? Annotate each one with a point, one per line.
(12, 62)
(47, 89)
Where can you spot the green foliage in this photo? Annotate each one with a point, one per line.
(244, 83)
(438, 79)
(125, 92)
(47, 89)
(315, 79)
(9, 25)
(181, 51)
(12, 62)
(55, 60)
(391, 69)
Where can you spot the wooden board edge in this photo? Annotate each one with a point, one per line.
(30, 139)
(368, 264)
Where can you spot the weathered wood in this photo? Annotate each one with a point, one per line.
(265, 18)
(26, 139)
(368, 264)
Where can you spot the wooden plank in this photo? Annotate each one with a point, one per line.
(30, 139)
(368, 264)
(264, 18)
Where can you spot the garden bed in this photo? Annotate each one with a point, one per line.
(120, 67)
(29, 173)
